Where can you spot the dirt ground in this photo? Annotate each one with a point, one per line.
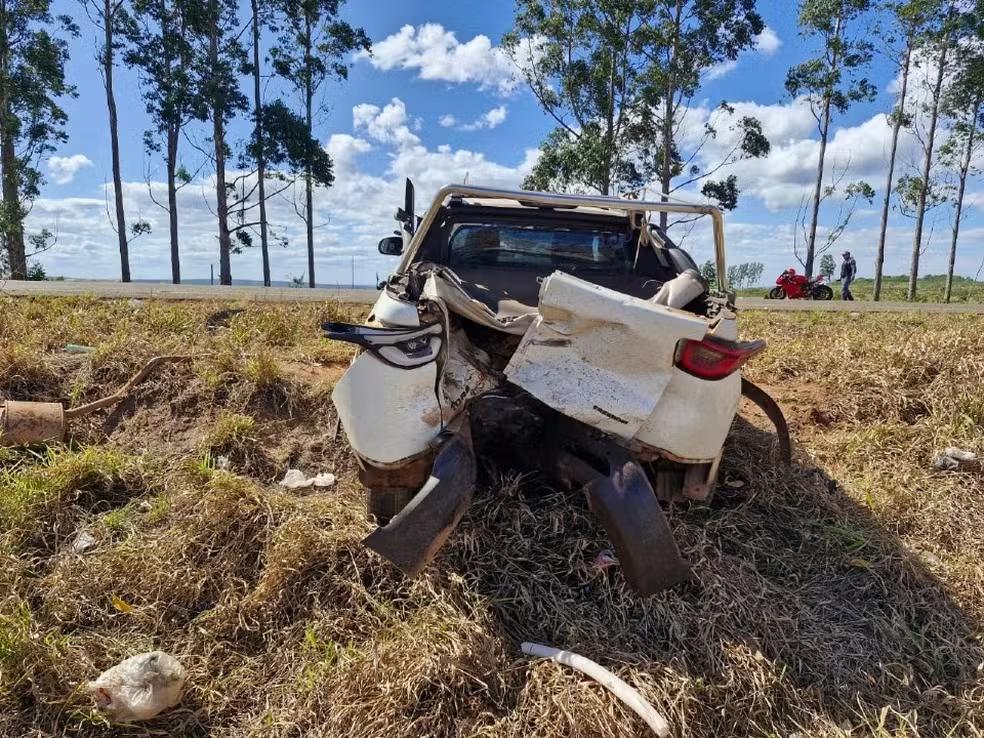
(842, 597)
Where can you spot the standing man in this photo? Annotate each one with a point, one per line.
(849, 270)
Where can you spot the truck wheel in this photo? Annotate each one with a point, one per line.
(384, 503)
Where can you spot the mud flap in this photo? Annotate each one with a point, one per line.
(626, 505)
(617, 488)
(774, 413)
(417, 533)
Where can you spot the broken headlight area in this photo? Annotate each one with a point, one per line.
(403, 348)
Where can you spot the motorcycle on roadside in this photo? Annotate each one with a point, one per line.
(793, 286)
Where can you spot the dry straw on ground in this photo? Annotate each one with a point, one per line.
(844, 597)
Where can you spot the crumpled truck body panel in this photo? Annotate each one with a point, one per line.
(385, 409)
(689, 430)
(394, 413)
(693, 416)
(608, 360)
(627, 396)
(391, 312)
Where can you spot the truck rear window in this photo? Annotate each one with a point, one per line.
(538, 247)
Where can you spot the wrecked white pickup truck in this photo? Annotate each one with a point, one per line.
(566, 333)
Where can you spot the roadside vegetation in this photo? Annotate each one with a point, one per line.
(932, 288)
(843, 597)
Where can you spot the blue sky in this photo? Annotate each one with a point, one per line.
(436, 102)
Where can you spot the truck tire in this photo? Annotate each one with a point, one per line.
(385, 503)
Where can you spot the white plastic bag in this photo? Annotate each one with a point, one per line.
(296, 479)
(139, 688)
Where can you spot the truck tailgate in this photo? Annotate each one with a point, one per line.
(599, 356)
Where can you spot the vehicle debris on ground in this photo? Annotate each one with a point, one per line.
(139, 688)
(957, 459)
(27, 423)
(605, 678)
(296, 479)
(559, 332)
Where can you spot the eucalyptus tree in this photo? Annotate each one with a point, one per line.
(831, 81)
(617, 78)
(33, 54)
(313, 49)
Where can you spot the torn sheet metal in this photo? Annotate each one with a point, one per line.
(599, 356)
(412, 538)
(466, 373)
(441, 285)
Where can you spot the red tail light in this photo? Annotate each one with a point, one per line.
(714, 358)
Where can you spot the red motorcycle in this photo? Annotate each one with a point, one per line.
(793, 286)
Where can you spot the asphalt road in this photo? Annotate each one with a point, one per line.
(144, 291)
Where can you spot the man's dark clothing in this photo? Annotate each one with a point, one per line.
(849, 270)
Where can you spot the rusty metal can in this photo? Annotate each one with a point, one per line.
(24, 423)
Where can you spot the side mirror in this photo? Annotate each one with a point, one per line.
(391, 246)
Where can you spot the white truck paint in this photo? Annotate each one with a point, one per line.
(695, 431)
(599, 356)
(388, 312)
(594, 354)
(406, 414)
(385, 409)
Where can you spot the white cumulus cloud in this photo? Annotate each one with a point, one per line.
(766, 43)
(448, 121)
(389, 124)
(491, 119)
(719, 70)
(351, 216)
(64, 168)
(782, 179)
(437, 54)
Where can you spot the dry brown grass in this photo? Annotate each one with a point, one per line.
(842, 598)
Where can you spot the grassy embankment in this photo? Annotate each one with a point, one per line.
(844, 597)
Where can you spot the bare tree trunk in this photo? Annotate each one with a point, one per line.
(11, 216)
(896, 127)
(109, 17)
(218, 138)
(958, 207)
(666, 175)
(172, 201)
(927, 168)
(173, 135)
(13, 222)
(610, 132)
(811, 241)
(260, 153)
(308, 178)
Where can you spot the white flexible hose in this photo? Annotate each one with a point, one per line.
(606, 679)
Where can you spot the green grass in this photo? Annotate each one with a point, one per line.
(231, 430)
(34, 498)
(930, 288)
